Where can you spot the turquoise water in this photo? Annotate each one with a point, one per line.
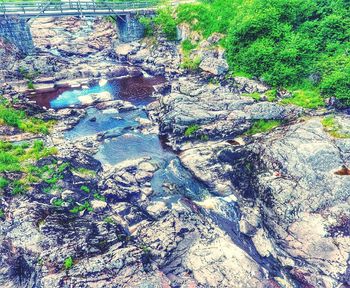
(109, 122)
(71, 98)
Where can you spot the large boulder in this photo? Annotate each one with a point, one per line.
(216, 66)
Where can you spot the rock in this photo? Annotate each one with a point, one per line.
(120, 105)
(214, 66)
(215, 112)
(262, 243)
(95, 98)
(124, 49)
(98, 205)
(250, 86)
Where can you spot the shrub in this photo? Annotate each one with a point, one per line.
(282, 42)
(166, 22)
(148, 25)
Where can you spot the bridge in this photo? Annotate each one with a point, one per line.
(57, 8)
(15, 17)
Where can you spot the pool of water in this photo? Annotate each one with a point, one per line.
(111, 122)
(136, 90)
(131, 145)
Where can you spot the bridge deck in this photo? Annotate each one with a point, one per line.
(72, 8)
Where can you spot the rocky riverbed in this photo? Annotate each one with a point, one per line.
(162, 182)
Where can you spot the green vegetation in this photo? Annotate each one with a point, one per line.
(16, 118)
(148, 25)
(84, 172)
(81, 207)
(286, 43)
(57, 202)
(262, 126)
(190, 130)
(334, 128)
(99, 197)
(19, 158)
(2, 213)
(305, 98)
(271, 95)
(165, 21)
(187, 45)
(68, 263)
(85, 189)
(191, 63)
(109, 220)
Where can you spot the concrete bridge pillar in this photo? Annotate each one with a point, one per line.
(17, 31)
(129, 27)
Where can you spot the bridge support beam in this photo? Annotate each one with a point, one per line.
(129, 27)
(17, 31)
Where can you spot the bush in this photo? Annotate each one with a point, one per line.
(147, 24)
(282, 42)
(166, 22)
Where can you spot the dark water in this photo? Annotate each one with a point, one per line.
(136, 90)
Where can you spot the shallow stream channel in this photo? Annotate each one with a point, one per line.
(123, 139)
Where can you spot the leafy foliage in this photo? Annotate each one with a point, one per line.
(166, 22)
(283, 42)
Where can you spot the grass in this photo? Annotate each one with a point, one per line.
(191, 63)
(20, 158)
(308, 98)
(84, 172)
(190, 130)
(334, 128)
(2, 213)
(16, 118)
(263, 126)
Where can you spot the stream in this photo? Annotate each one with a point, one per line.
(123, 140)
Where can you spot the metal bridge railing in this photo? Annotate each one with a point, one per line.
(62, 7)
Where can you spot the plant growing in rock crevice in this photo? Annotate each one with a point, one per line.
(262, 126)
(190, 130)
(68, 263)
(333, 127)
